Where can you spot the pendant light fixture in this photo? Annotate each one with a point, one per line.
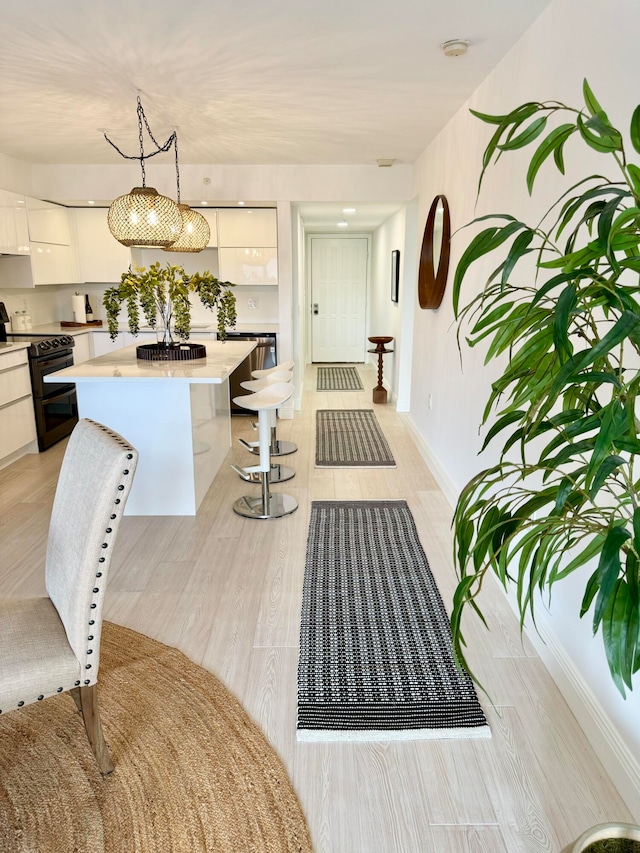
(194, 230)
(143, 217)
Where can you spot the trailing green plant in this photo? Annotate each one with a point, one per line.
(163, 294)
(564, 492)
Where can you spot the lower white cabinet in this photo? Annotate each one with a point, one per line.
(17, 421)
(101, 343)
(82, 348)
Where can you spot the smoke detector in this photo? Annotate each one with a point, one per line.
(454, 47)
(385, 161)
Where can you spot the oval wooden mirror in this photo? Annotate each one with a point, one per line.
(434, 256)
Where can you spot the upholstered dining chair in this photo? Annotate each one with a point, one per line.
(52, 645)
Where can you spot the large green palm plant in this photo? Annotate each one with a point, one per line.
(565, 491)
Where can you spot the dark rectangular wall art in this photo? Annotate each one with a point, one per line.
(395, 274)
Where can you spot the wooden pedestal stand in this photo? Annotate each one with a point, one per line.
(379, 392)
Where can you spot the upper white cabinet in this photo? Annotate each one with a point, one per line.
(212, 218)
(247, 241)
(100, 257)
(191, 262)
(248, 266)
(48, 223)
(52, 263)
(14, 231)
(50, 259)
(247, 227)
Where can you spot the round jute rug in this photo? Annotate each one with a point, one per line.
(193, 772)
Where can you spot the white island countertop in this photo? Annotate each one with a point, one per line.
(176, 413)
(122, 365)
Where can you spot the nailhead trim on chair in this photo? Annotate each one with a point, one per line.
(96, 590)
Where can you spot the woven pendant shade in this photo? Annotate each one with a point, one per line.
(144, 218)
(195, 233)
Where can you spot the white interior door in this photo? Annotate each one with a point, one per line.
(338, 298)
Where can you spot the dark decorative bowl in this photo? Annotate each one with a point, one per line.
(176, 352)
(380, 339)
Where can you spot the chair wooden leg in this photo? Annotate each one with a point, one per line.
(75, 692)
(93, 727)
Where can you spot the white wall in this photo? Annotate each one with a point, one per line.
(15, 175)
(571, 40)
(71, 184)
(385, 316)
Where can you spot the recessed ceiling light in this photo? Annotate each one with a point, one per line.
(240, 202)
(205, 203)
(90, 202)
(342, 224)
(349, 210)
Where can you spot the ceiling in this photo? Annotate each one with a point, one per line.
(244, 81)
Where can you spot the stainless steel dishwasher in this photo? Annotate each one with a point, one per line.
(262, 357)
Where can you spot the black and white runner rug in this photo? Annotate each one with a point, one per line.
(376, 657)
(351, 438)
(338, 379)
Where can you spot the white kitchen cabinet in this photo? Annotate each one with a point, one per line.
(17, 420)
(247, 226)
(14, 231)
(48, 263)
(140, 338)
(100, 257)
(48, 223)
(212, 218)
(52, 263)
(191, 262)
(248, 265)
(81, 348)
(101, 343)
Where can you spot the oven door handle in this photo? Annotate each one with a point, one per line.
(61, 395)
(50, 365)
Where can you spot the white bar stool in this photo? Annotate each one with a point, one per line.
(278, 448)
(277, 473)
(269, 504)
(284, 365)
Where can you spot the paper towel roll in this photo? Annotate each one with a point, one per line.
(77, 306)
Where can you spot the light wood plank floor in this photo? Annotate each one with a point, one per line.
(227, 592)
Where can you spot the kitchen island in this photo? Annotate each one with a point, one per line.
(176, 413)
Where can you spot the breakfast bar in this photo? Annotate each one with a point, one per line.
(176, 413)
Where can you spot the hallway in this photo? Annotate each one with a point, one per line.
(227, 591)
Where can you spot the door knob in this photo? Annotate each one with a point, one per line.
(315, 307)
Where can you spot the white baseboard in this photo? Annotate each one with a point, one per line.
(441, 477)
(619, 762)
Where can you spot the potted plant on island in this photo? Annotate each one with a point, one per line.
(163, 294)
(562, 307)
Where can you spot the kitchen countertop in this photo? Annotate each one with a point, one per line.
(122, 365)
(5, 346)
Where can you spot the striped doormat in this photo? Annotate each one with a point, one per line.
(351, 438)
(339, 379)
(376, 656)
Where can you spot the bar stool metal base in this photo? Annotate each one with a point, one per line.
(276, 506)
(277, 474)
(281, 448)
